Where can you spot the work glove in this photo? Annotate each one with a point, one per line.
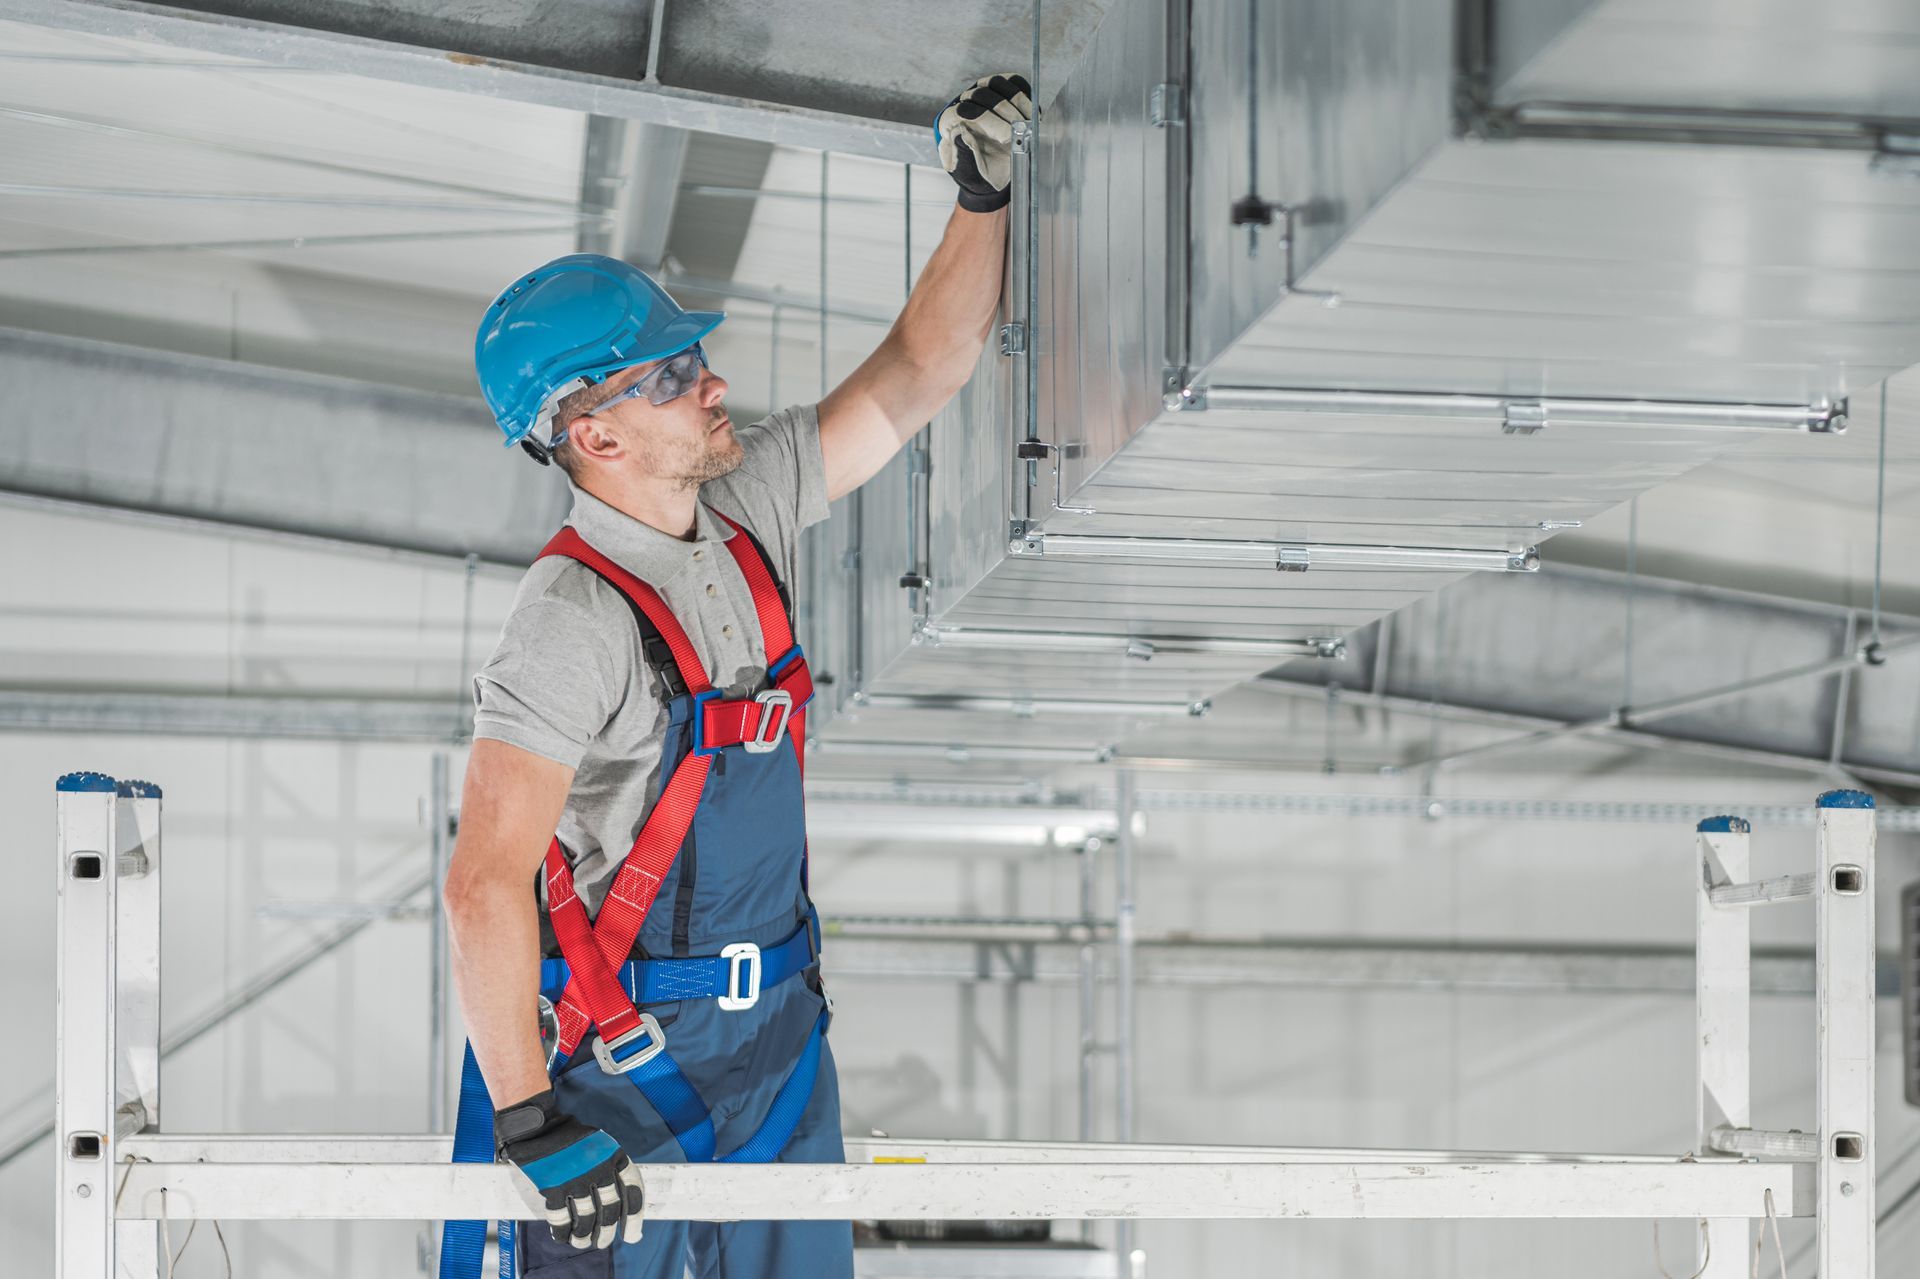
(975, 133)
(588, 1184)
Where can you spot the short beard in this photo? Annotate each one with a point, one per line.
(715, 463)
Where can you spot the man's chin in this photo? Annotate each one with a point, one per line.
(724, 457)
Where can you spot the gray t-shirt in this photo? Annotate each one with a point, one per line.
(568, 680)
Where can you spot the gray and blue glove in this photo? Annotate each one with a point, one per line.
(975, 133)
(589, 1186)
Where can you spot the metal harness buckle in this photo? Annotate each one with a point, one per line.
(741, 956)
(650, 1027)
(549, 1031)
(776, 708)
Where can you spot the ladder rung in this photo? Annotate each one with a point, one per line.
(1781, 888)
(1801, 1147)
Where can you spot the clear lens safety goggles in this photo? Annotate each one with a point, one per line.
(673, 379)
(675, 376)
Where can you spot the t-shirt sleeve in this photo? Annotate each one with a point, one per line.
(551, 685)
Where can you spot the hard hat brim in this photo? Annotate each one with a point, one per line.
(683, 332)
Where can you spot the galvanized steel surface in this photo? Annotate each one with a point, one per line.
(1611, 269)
(1851, 58)
(1504, 270)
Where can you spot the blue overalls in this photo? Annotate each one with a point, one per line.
(710, 1043)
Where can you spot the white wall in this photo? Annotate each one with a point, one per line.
(343, 1048)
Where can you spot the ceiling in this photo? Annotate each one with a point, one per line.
(362, 223)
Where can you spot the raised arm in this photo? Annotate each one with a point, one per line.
(932, 348)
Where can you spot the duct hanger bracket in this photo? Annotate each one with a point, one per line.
(1013, 338)
(1043, 451)
(1293, 559)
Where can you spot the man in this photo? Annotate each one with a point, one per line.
(637, 739)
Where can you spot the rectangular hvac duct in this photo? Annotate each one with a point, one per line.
(1314, 306)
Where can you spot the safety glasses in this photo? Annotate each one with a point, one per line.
(673, 379)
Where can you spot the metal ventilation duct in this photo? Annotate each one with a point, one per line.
(1315, 307)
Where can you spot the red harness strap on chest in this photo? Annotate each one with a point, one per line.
(776, 634)
(595, 949)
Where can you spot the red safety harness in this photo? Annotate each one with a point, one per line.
(595, 950)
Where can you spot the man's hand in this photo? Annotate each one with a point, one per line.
(589, 1185)
(975, 133)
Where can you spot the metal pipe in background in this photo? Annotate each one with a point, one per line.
(1125, 852)
(1087, 975)
(1628, 717)
(440, 855)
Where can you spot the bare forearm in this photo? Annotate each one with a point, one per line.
(495, 930)
(950, 313)
(926, 358)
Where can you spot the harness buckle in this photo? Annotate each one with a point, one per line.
(741, 957)
(650, 1027)
(549, 1031)
(776, 708)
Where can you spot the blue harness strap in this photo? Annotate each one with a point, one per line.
(783, 1117)
(661, 981)
(463, 1244)
(660, 1080)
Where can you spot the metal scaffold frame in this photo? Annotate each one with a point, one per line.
(118, 1175)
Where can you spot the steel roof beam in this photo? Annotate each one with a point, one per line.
(370, 48)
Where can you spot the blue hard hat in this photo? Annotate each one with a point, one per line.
(568, 325)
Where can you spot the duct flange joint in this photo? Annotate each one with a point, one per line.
(1013, 338)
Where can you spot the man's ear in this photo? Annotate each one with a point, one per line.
(590, 437)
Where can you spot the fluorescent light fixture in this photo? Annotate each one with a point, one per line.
(1286, 556)
(1141, 647)
(1028, 707)
(963, 752)
(1015, 826)
(1525, 415)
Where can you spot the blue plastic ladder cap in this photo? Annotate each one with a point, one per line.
(86, 783)
(1844, 799)
(139, 790)
(1725, 826)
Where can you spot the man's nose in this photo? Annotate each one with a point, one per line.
(713, 388)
